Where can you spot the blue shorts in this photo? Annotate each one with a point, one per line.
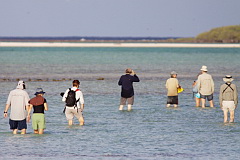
(208, 97)
(22, 124)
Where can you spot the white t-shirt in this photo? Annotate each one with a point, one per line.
(78, 95)
(18, 101)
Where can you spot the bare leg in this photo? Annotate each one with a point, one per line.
(120, 107)
(203, 102)
(36, 131)
(211, 103)
(231, 116)
(40, 131)
(70, 122)
(129, 107)
(168, 105)
(225, 114)
(23, 131)
(15, 131)
(81, 121)
(197, 101)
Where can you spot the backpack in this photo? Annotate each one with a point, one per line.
(71, 98)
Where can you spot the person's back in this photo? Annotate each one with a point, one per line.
(228, 98)
(39, 105)
(172, 87)
(205, 82)
(205, 87)
(126, 81)
(77, 108)
(127, 93)
(18, 99)
(228, 92)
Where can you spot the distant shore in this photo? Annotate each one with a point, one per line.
(100, 44)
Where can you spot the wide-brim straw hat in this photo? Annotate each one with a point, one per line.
(204, 68)
(228, 78)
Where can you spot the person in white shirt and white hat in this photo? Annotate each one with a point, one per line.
(18, 102)
(205, 87)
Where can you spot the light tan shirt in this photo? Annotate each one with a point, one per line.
(205, 84)
(228, 94)
(172, 86)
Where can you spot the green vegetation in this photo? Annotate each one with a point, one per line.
(227, 34)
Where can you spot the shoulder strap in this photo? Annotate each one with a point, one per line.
(228, 85)
(79, 98)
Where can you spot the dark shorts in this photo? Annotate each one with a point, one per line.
(172, 100)
(130, 100)
(18, 124)
(208, 97)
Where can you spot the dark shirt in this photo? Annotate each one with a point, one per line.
(126, 81)
(38, 104)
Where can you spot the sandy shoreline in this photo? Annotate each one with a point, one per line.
(151, 45)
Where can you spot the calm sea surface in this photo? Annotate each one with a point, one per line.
(149, 131)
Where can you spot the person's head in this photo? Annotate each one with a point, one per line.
(128, 71)
(228, 79)
(76, 83)
(173, 74)
(39, 91)
(21, 85)
(204, 69)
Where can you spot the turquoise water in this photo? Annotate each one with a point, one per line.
(149, 131)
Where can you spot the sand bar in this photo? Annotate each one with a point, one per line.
(151, 45)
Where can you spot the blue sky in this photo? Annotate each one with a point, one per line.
(137, 18)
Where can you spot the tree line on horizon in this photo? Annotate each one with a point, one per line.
(226, 34)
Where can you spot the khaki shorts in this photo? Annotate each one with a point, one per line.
(130, 100)
(228, 105)
(71, 112)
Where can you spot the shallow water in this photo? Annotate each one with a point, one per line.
(149, 131)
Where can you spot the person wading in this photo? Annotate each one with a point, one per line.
(205, 87)
(127, 93)
(228, 98)
(73, 98)
(39, 105)
(18, 101)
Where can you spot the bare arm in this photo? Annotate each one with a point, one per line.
(82, 107)
(29, 112)
(45, 106)
(6, 110)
